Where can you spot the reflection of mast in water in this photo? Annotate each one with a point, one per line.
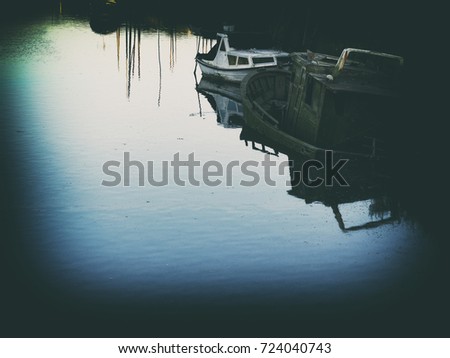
(118, 47)
(160, 71)
(133, 54)
(172, 50)
(139, 53)
(132, 36)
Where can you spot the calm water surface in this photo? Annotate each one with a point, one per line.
(75, 99)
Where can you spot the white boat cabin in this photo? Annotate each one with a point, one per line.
(223, 60)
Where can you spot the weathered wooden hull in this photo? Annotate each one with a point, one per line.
(272, 85)
(265, 90)
(285, 142)
(349, 109)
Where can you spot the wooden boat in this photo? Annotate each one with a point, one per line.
(230, 64)
(334, 102)
(327, 102)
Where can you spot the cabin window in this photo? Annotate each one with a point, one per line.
(242, 61)
(232, 60)
(260, 60)
(222, 46)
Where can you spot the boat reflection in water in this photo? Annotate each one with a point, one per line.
(367, 197)
(366, 202)
(225, 99)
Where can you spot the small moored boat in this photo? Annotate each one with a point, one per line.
(230, 64)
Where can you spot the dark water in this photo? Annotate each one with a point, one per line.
(82, 259)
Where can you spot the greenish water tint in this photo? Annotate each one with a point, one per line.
(94, 260)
